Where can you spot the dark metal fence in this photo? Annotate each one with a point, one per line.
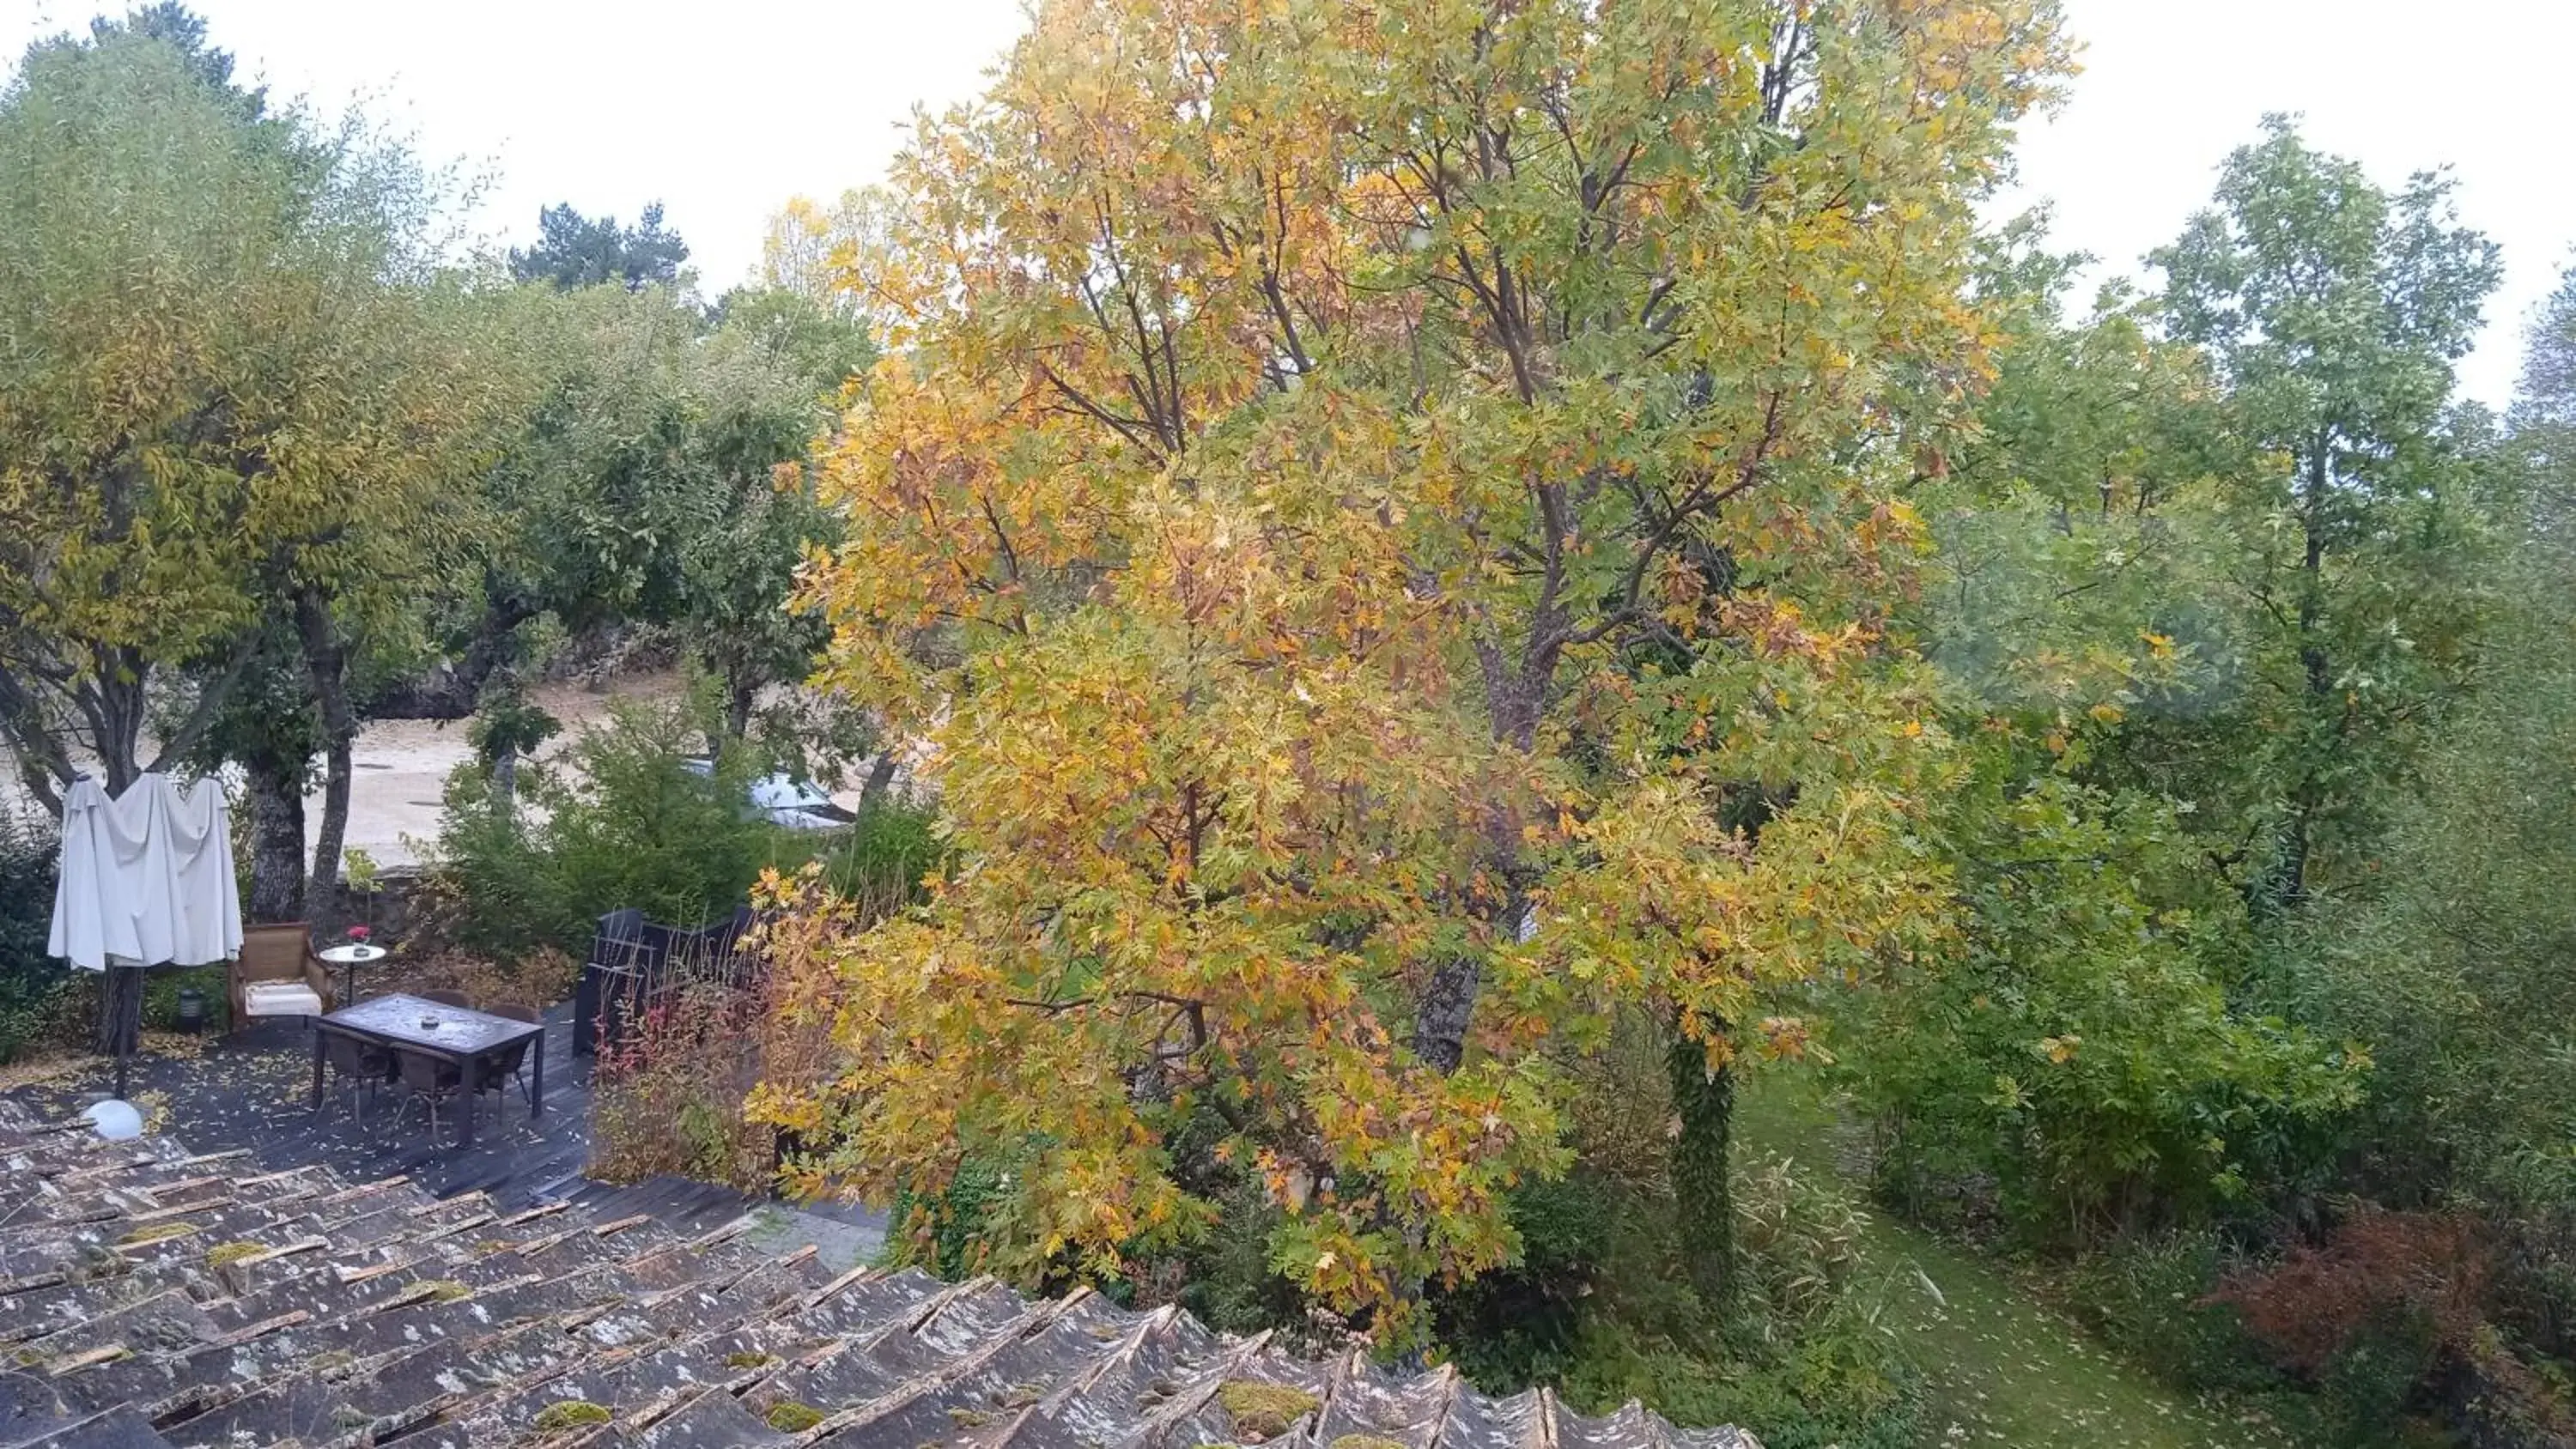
(637, 966)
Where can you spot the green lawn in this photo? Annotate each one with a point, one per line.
(2007, 1368)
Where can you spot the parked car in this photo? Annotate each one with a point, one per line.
(785, 800)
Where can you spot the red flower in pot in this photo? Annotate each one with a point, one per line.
(359, 934)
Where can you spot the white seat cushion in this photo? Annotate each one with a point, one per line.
(280, 998)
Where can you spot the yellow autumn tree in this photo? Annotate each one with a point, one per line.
(1379, 519)
(811, 249)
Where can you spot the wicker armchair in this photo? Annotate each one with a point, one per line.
(277, 974)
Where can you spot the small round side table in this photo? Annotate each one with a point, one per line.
(349, 958)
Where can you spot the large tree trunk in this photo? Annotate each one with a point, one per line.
(1515, 698)
(455, 693)
(880, 779)
(276, 841)
(2288, 885)
(1448, 1002)
(328, 660)
(120, 1016)
(1703, 1197)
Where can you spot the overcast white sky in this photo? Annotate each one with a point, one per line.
(724, 110)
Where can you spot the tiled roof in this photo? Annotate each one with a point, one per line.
(150, 1298)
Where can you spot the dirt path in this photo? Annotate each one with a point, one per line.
(401, 766)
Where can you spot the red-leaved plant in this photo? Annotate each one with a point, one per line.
(2415, 1272)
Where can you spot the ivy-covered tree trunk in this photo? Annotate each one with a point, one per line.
(276, 839)
(1703, 1197)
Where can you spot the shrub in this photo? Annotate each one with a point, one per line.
(2503, 1402)
(38, 997)
(1523, 1324)
(2535, 1286)
(2391, 1306)
(1597, 1307)
(878, 863)
(676, 1096)
(161, 997)
(1799, 1238)
(669, 1099)
(2075, 1064)
(943, 1232)
(1840, 1385)
(2424, 1274)
(2150, 1299)
(620, 822)
(1228, 1279)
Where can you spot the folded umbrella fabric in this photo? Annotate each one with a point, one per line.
(147, 877)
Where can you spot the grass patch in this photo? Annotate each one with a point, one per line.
(2004, 1366)
(1263, 1410)
(555, 1418)
(790, 1417)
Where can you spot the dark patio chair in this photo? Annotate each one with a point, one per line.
(496, 1073)
(513, 1064)
(457, 999)
(357, 1066)
(430, 1081)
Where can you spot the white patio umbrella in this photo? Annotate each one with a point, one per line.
(146, 880)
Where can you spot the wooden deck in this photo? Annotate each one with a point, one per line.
(251, 1092)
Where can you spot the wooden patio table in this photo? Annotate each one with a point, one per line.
(457, 1034)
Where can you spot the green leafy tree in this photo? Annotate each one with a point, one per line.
(573, 520)
(270, 727)
(2074, 1063)
(229, 390)
(2333, 311)
(765, 386)
(183, 30)
(657, 480)
(2462, 961)
(575, 251)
